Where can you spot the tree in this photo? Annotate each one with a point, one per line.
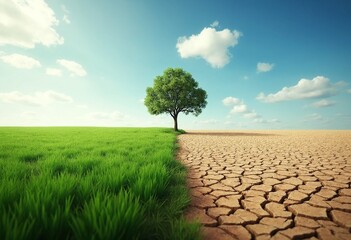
(174, 92)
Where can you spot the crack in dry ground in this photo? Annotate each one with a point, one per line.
(269, 184)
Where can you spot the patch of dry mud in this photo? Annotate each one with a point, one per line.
(269, 184)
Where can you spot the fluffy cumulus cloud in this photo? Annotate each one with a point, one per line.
(239, 106)
(323, 103)
(264, 67)
(36, 99)
(228, 101)
(20, 61)
(53, 72)
(318, 87)
(209, 44)
(73, 67)
(25, 23)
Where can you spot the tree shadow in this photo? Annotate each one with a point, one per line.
(230, 134)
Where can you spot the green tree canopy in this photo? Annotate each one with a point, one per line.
(174, 92)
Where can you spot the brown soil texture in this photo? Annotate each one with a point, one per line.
(269, 184)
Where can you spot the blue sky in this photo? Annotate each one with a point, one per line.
(264, 64)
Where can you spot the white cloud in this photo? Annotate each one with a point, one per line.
(209, 44)
(230, 101)
(37, 99)
(215, 24)
(65, 17)
(238, 105)
(240, 108)
(264, 67)
(323, 103)
(316, 88)
(75, 68)
(260, 120)
(25, 23)
(53, 72)
(55, 96)
(64, 9)
(20, 61)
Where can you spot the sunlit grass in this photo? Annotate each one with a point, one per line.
(92, 183)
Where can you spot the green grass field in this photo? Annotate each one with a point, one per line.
(92, 183)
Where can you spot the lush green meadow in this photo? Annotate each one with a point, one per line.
(92, 183)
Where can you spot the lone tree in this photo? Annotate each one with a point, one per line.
(174, 92)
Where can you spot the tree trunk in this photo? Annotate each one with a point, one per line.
(175, 122)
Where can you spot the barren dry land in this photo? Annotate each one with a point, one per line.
(269, 184)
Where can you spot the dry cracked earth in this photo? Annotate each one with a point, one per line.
(269, 185)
